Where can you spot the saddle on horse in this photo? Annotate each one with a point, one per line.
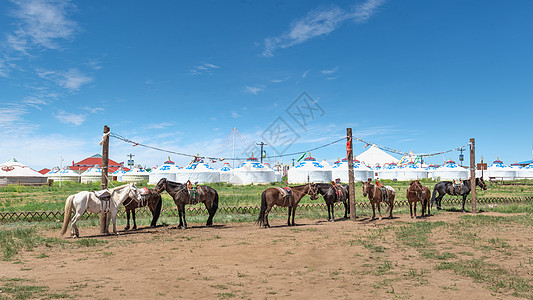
(105, 199)
(286, 195)
(457, 187)
(193, 192)
(337, 188)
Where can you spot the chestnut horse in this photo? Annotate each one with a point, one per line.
(376, 195)
(416, 193)
(273, 196)
(152, 200)
(181, 196)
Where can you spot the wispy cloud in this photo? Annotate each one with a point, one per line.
(41, 23)
(159, 125)
(254, 89)
(235, 114)
(319, 22)
(203, 68)
(330, 71)
(73, 79)
(280, 80)
(332, 77)
(305, 73)
(92, 110)
(71, 118)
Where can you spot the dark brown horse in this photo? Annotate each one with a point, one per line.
(416, 193)
(152, 200)
(274, 196)
(376, 195)
(333, 194)
(180, 194)
(447, 187)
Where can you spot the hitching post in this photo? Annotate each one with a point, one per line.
(473, 173)
(104, 225)
(351, 184)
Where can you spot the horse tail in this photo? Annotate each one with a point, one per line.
(262, 211)
(433, 196)
(157, 211)
(214, 206)
(68, 210)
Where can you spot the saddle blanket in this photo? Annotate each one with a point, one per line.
(285, 192)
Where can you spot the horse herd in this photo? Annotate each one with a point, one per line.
(131, 198)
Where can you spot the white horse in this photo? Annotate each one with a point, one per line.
(88, 201)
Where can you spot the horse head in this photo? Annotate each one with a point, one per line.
(416, 187)
(313, 191)
(367, 185)
(481, 183)
(161, 186)
(134, 192)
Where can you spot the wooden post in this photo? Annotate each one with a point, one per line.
(104, 225)
(351, 184)
(473, 173)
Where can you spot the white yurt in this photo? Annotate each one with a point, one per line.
(450, 170)
(411, 171)
(13, 172)
(277, 174)
(168, 170)
(360, 171)
(198, 172)
(501, 171)
(252, 171)
(225, 172)
(375, 156)
(135, 175)
(325, 164)
(388, 171)
(309, 170)
(431, 169)
(117, 175)
(526, 172)
(64, 175)
(93, 174)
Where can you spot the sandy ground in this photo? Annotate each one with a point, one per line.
(314, 260)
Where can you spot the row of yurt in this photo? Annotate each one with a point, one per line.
(500, 171)
(13, 172)
(63, 175)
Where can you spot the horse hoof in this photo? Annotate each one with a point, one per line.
(126, 228)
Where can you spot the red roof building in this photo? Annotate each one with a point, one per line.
(96, 159)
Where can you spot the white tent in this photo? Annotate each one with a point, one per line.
(93, 174)
(431, 169)
(277, 174)
(137, 174)
(252, 171)
(225, 173)
(375, 156)
(168, 170)
(325, 164)
(64, 175)
(117, 175)
(526, 172)
(450, 170)
(13, 172)
(499, 170)
(361, 171)
(388, 171)
(411, 171)
(199, 172)
(309, 170)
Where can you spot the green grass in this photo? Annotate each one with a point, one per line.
(20, 288)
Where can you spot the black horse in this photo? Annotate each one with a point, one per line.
(180, 194)
(152, 200)
(331, 195)
(447, 187)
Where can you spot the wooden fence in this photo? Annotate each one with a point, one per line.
(34, 216)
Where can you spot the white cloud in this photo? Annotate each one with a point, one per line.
(319, 22)
(280, 80)
(254, 89)
(73, 79)
(203, 68)
(159, 125)
(330, 71)
(92, 110)
(235, 115)
(332, 78)
(41, 23)
(305, 73)
(70, 118)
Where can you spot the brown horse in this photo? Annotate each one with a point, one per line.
(180, 194)
(152, 200)
(376, 195)
(274, 196)
(416, 193)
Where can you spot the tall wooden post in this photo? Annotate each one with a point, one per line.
(104, 225)
(473, 173)
(351, 184)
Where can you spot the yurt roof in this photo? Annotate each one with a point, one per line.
(13, 168)
(374, 156)
(226, 167)
(325, 163)
(95, 170)
(64, 172)
(199, 167)
(120, 171)
(309, 165)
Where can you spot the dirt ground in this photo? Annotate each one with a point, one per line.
(314, 260)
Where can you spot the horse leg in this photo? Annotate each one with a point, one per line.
(379, 210)
(346, 209)
(329, 211)
(289, 218)
(266, 216)
(211, 214)
(127, 220)
(411, 208)
(414, 208)
(74, 228)
(464, 200)
(293, 214)
(332, 212)
(180, 225)
(373, 211)
(114, 219)
(183, 214)
(134, 222)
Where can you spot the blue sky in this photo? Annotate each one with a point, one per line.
(411, 75)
